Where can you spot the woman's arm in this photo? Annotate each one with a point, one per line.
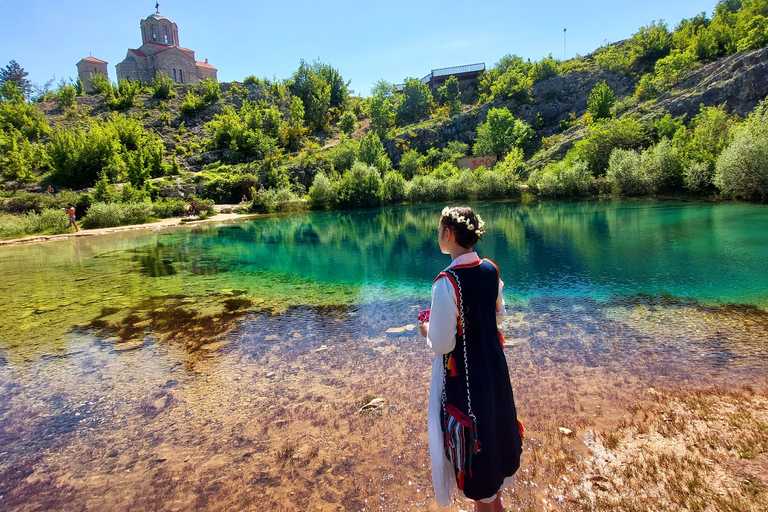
(441, 329)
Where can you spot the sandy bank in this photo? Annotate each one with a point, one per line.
(164, 223)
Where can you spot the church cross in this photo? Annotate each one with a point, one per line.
(157, 6)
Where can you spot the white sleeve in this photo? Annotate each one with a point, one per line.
(443, 318)
(501, 306)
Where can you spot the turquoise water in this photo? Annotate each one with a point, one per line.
(172, 366)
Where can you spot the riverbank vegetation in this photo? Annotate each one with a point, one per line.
(644, 123)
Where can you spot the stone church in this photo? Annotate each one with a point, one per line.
(160, 51)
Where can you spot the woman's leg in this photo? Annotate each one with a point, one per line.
(494, 506)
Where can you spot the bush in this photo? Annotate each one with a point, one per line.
(168, 207)
(742, 168)
(106, 215)
(698, 176)
(347, 122)
(101, 84)
(23, 202)
(663, 167)
(600, 101)
(162, 86)
(228, 188)
(322, 193)
(410, 163)
(211, 91)
(192, 103)
(66, 96)
(625, 173)
(393, 188)
(49, 222)
(603, 138)
(360, 187)
(273, 200)
(563, 179)
(426, 189)
(460, 185)
(123, 97)
(501, 132)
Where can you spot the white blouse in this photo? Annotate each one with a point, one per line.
(441, 338)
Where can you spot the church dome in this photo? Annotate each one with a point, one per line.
(156, 28)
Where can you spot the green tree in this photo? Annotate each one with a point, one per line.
(600, 101)
(360, 187)
(416, 101)
(449, 94)
(500, 133)
(348, 122)
(372, 152)
(14, 73)
(544, 69)
(603, 138)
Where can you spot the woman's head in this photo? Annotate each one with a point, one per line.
(466, 225)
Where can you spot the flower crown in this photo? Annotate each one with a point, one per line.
(449, 212)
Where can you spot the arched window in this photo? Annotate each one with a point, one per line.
(174, 75)
(181, 76)
(165, 33)
(154, 36)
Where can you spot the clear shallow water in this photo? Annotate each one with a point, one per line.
(143, 356)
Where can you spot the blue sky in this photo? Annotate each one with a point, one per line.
(365, 41)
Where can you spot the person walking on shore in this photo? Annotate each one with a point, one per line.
(72, 217)
(475, 440)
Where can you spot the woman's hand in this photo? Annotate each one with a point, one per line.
(424, 327)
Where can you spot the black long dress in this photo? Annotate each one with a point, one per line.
(479, 417)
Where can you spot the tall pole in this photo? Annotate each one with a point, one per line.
(565, 53)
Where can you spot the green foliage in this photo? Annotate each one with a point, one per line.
(242, 132)
(348, 122)
(426, 189)
(79, 87)
(513, 165)
(162, 86)
(101, 84)
(372, 152)
(480, 184)
(210, 90)
(416, 101)
(344, 154)
(455, 150)
(192, 103)
(698, 176)
(450, 94)
(650, 43)
(9, 92)
(742, 168)
(613, 58)
(323, 193)
(14, 74)
(382, 113)
(393, 188)
(22, 202)
(104, 192)
(544, 69)
(116, 146)
(320, 88)
(131, 194)
(625, 173)
(603, 138)
(756, 34)
(24, 118)
(228, 187)
(123, 97)
(106, 215)
(167, 207)
(562, 179)
(500, 133)
(278, 199)
(663, 167)
(48, 222)
(360, 187)
(600, 101)
(20, 159)
(667, 126)
(410, 163)
(66, 96)
(711, 134)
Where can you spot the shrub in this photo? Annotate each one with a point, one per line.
(393, 188)
(192, 103)
(667, 126)
(603, 138)
(49, 221)
(501, 132)
(600, 101)
(415, 103)
(372, 152)
(322, 193)
(273, 200)
(698, 176)
(490, 184)
(101, 84)
(625, 173)
(410, 163)
(162, 86)
(66, 96)
(123, 97)
(211, 91)
(360, 187)
(345, 153)
(663, 167)
(545, 68)
(563, 179)
(347, 122)
(23, 202)
(105, 215)
(460, 185)
(426, 189)
(168, 207)
(228, 188)
(742, 168)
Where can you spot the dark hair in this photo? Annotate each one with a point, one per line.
(464, 236)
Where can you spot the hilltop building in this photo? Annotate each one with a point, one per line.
(159, 51)
(88, 67)
(465, 75)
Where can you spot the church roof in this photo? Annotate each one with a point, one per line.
(162, 47)
(94, 59)
(203, 65)
(157, 16)
(137, 53)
